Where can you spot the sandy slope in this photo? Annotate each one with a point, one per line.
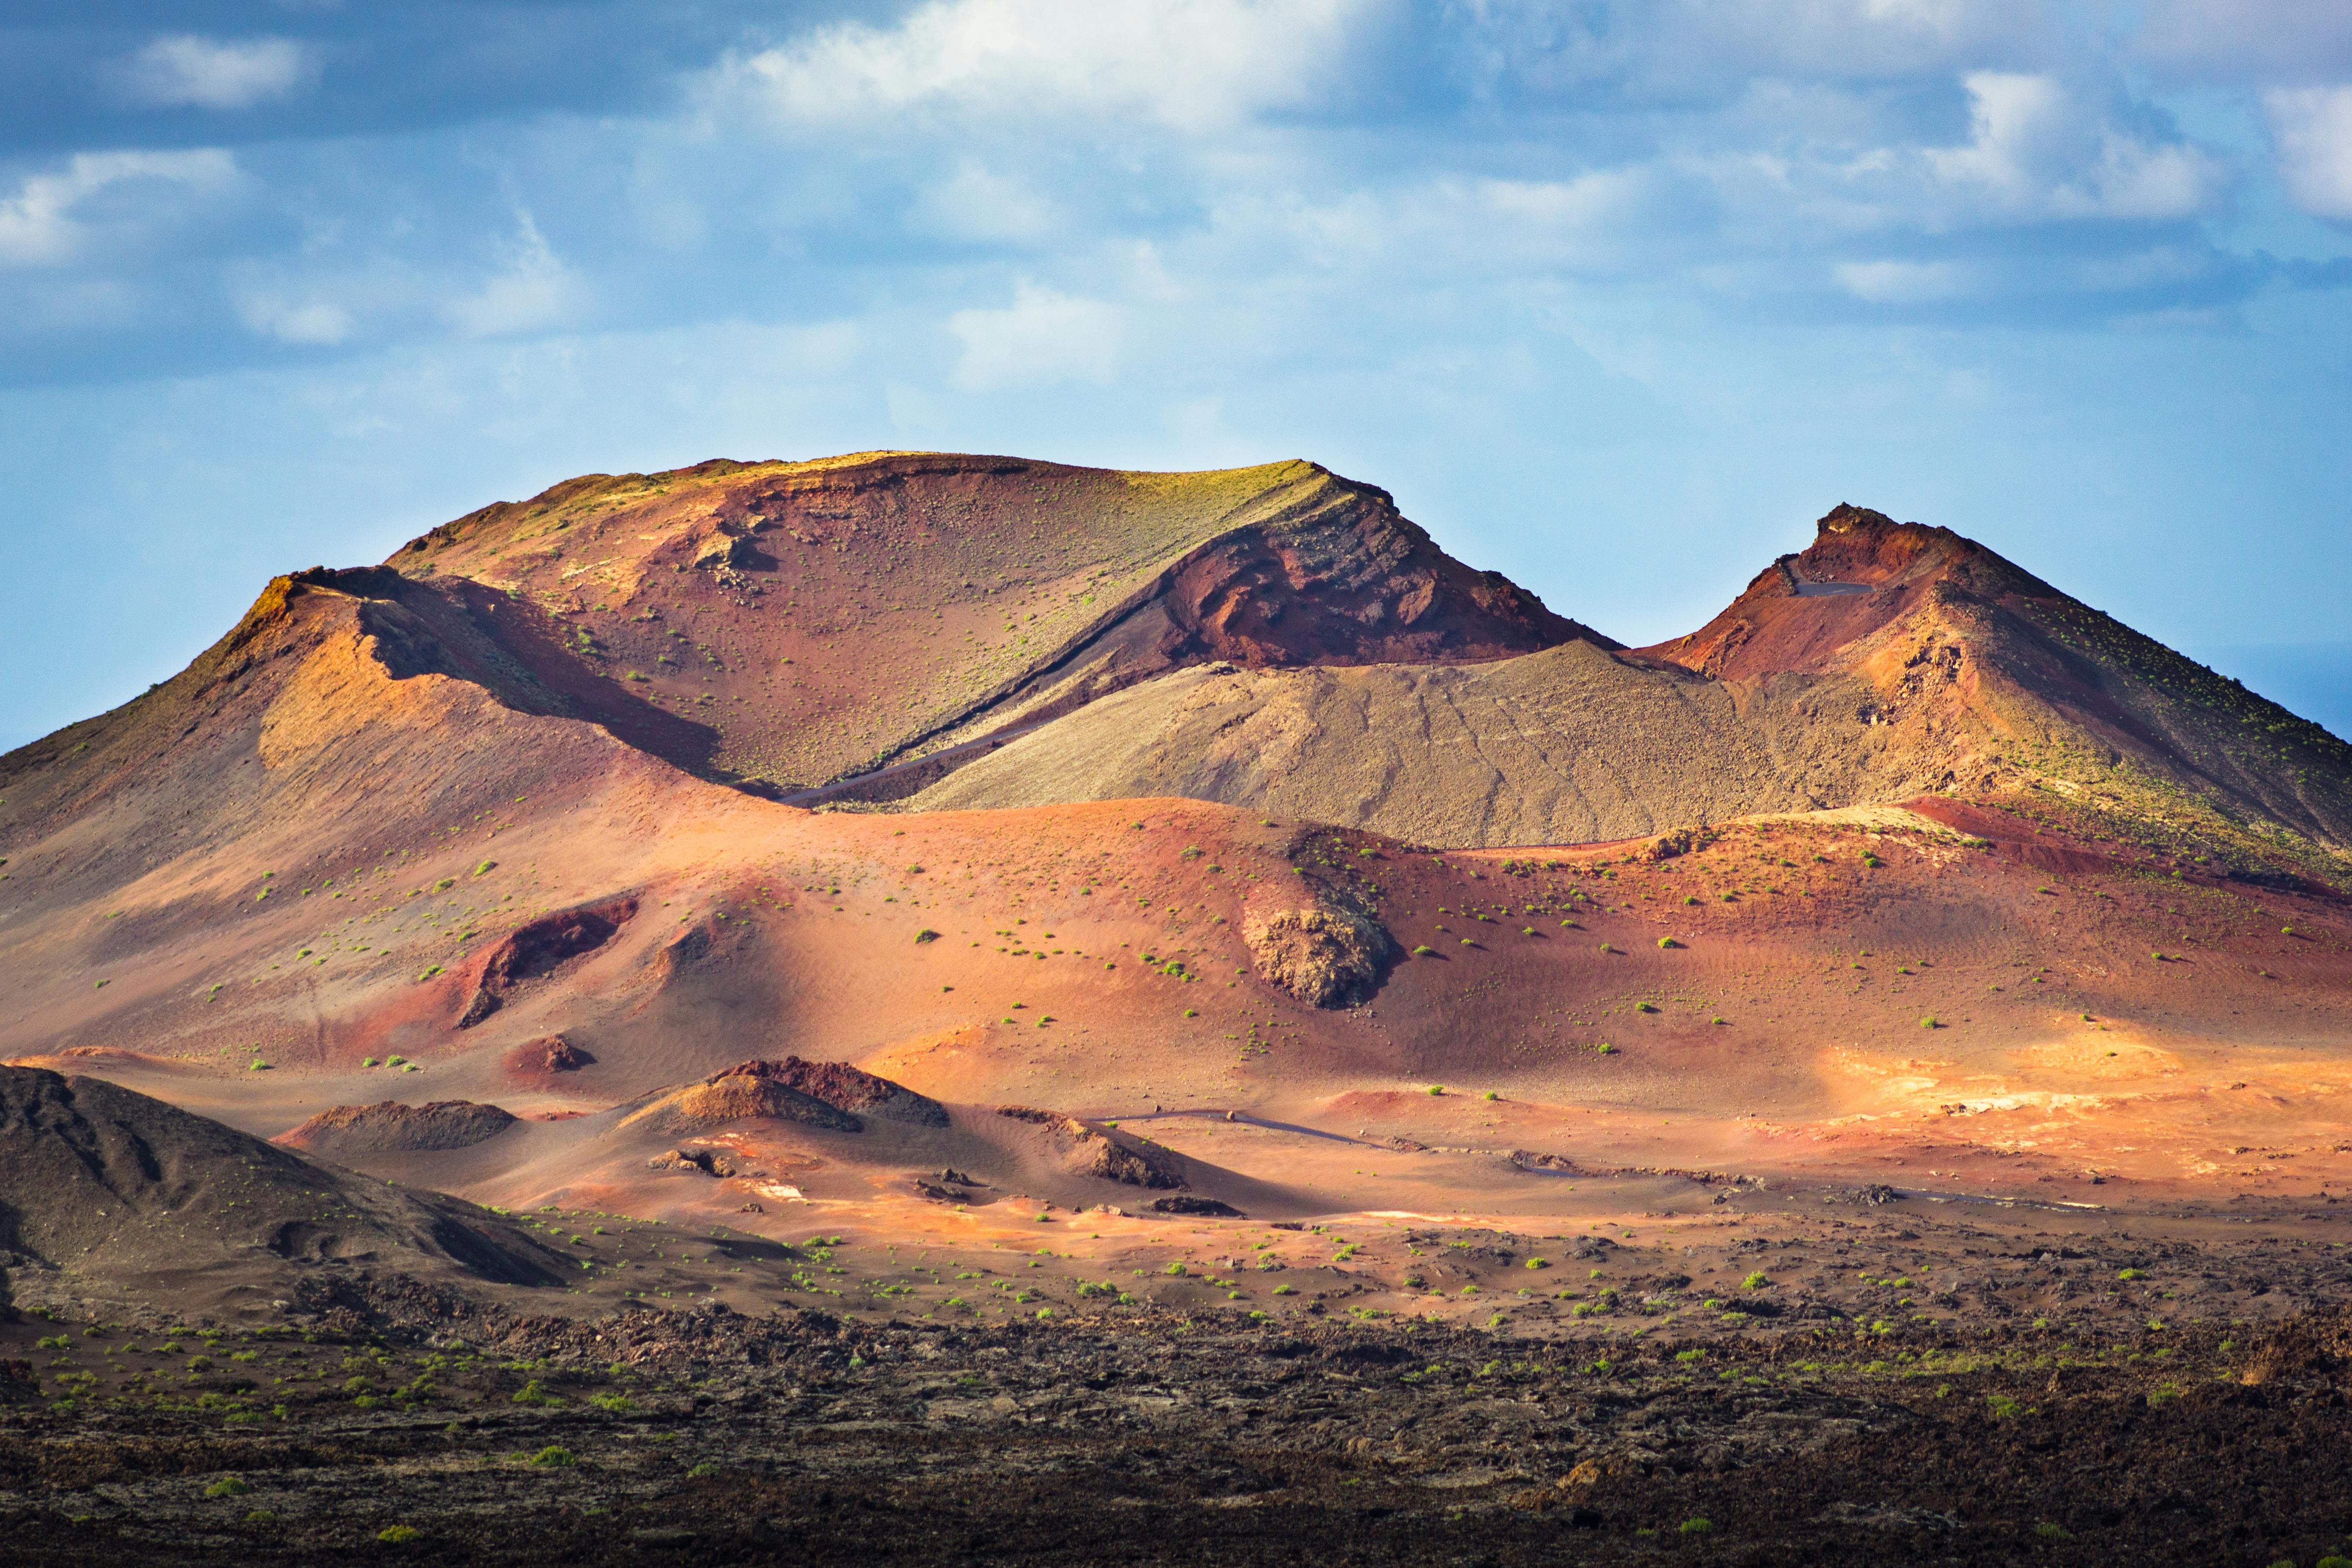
(1570, 745)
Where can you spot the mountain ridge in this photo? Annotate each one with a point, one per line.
(1883, 661)
(1110, 577)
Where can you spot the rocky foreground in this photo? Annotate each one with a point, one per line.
(1830, 1423)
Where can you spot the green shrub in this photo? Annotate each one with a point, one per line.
(1697, 1527)
(926, 934)
(1436, 1088)
(396, 1534)
(227, 1486)
(1755, 1281)
(555, 1457)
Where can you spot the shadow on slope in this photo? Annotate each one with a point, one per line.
(112, 1193)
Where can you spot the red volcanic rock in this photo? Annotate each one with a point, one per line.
(549, 1054)
(540, 949)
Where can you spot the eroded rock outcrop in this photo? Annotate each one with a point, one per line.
(1104, 1153)
(708, 1162)
(541, 948)
(1321, 947)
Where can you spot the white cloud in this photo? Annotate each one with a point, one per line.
(979, 205)
(44, 223)
(1043, 338)
(2036, 150)
(185, 71)
(535, 290)
(1193, 65)
(2313, 129)
(317, 322)
(1902, 282)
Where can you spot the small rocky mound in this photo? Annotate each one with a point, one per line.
(951, 1186)
(709, 1162)
(1322, 952)
(1208, 1208)
(548, 1054)
(742, 1093)
(389, 1126)
(853, 1090)
(1104, 1153)
(817, 1094)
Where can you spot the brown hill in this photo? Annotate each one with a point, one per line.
(1970, 654)
(104, 1192)
(1887, 660)
(796, 623)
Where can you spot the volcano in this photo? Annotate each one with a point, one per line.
(1109, 795)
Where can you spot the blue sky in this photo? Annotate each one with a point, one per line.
(1616, 296)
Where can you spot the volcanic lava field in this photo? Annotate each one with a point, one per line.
(915, 1007)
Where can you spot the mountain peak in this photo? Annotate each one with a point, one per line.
(1846, 517)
